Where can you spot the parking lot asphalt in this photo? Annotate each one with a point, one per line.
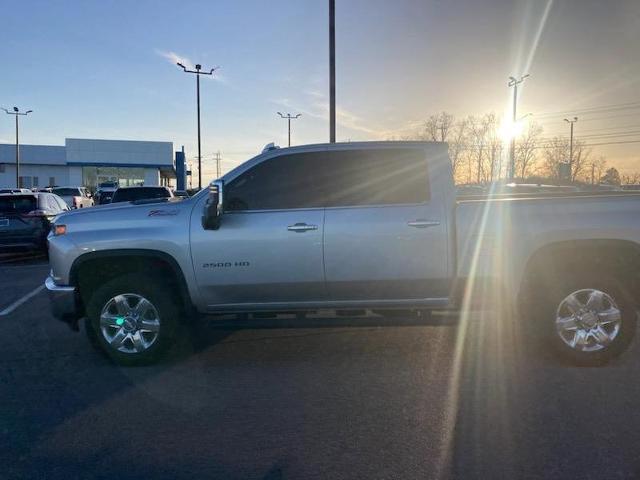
(355, 399)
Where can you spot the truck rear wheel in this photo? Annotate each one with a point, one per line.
(588, 321)
(133, 318)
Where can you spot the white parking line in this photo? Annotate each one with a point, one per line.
(20, 301)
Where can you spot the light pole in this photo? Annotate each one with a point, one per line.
(16, 113)
(332, 71)
(514, 82)
(198, 72)
(288, 116)
(571, 122)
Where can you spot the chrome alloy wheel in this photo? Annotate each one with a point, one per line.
(129, 323)
(588, 320)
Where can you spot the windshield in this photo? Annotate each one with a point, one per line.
(17, 203)
(139, 193)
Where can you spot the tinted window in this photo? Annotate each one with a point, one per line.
(376, 177)
(289, 181)
(17, 203)
(67, 192)
(139, 193)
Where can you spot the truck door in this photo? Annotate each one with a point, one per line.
(385, 238)
(268, 249)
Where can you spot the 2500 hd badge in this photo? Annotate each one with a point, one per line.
(225, 264)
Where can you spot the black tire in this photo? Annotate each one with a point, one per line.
(553, 295)
(163, 300)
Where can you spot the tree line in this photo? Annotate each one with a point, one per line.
(479, 154)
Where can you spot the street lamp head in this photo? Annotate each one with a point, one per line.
(298, 115)
(15, 109)
(198, 66)
(524, 76)
(28, 111)
(181, 65)
(280, 113)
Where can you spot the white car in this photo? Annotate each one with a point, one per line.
(75, 197)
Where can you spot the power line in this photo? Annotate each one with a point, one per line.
(591, 110)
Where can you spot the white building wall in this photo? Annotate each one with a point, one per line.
(60, 175)
(122, 152)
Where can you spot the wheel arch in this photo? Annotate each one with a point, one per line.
(92, 268)
(607, 256)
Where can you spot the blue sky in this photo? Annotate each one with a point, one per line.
(106, 69)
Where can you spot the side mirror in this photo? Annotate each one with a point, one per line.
(213, 206)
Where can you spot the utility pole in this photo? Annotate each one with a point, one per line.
(218, 170)
(514, 82)
(332, 71)
(16, 113)
(593, 173)
(198, 72)
(571, 122)
(288, 116)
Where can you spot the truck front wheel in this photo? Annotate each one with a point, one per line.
(588, 321)
(132, 318)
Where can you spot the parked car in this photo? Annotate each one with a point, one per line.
(75, 197)
(25, 219)
(130, 194)
(351, 226)
(103, 197)
(181, 194)
(105, 192)
(14, 190)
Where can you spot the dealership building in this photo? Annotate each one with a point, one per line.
(85, 162)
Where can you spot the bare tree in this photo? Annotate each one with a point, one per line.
(631, 178)
(580, 162)
(598, 167)
(436, 127)
(526, 150)
(457, 140)
(482, 147)
(556, 152)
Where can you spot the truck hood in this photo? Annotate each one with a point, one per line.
(125, 210)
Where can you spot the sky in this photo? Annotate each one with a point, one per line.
(106, 69)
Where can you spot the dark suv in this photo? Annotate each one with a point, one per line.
(25, 219)
(130, 194)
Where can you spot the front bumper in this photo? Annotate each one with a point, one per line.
(63, 302)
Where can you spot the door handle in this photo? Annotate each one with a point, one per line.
(301, 227)
(423, 223)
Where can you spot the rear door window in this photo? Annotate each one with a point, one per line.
(389, 176)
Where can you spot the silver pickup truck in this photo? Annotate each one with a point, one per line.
(373, 225)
